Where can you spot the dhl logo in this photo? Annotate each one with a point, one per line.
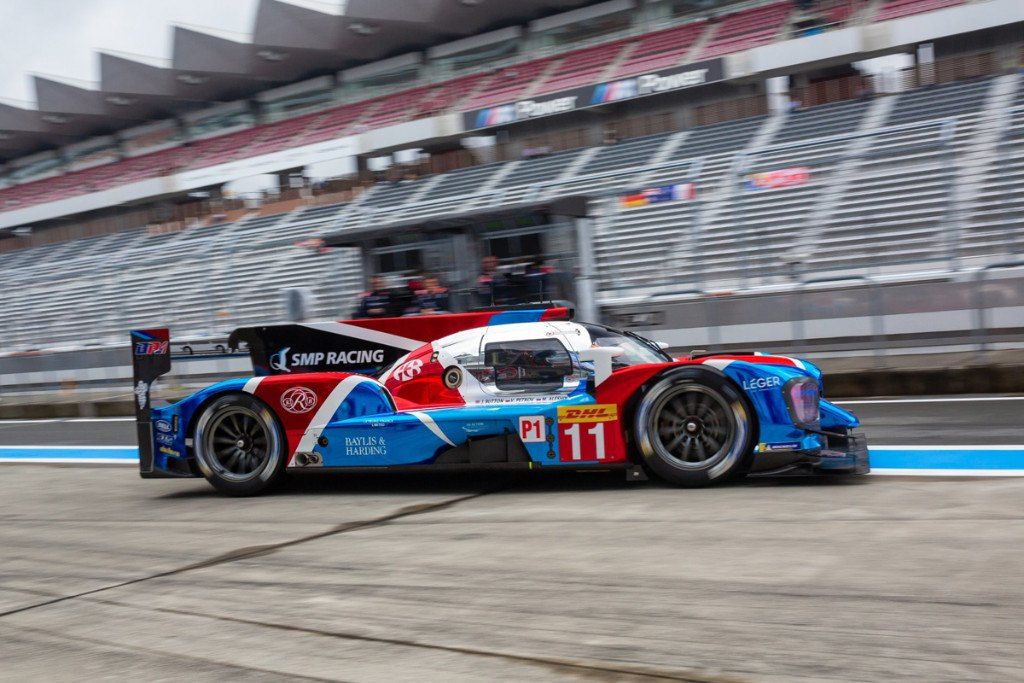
(602, 412)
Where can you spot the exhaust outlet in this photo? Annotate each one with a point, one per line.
(307, 459)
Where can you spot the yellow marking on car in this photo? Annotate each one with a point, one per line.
(600, 412)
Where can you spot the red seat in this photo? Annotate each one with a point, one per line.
(904, 8)
(745, 30)
(661, 49)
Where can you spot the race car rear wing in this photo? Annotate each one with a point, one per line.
(151, 358)
(365, 347)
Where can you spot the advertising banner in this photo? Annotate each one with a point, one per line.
(666, 80)
(783, 177)
(657, 195)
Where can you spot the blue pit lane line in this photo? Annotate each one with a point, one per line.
(948, 461)
(96, 455)
(892, 460)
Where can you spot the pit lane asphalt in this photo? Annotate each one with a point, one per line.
(499, 577)
(946, 420)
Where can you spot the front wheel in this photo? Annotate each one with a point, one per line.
(694, 427)
(239, 445)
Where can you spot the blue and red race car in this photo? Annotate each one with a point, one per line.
(521, 388)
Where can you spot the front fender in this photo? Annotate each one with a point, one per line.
(832, 416)
(762, 383)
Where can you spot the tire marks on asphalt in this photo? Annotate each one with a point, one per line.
(227, 667)
(586, 669)
(579, 668)
(261, 550)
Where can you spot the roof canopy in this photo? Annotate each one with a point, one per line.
(288, 43)
(571, 206)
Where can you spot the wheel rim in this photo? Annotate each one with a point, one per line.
(237, 444)
(693, 427)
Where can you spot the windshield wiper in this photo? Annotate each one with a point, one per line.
(646, 342)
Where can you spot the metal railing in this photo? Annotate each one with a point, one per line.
(869, 316)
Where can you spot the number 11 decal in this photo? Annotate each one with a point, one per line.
(581, 448)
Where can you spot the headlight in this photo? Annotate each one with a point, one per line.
(802, 398)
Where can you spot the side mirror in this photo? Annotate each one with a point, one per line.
(662, 345)
(601, 357)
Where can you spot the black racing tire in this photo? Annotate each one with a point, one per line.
(694, 427)
(239, 444)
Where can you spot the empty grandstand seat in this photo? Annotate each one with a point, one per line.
(891, 209)
(95, 179)
(661, 49)
(822, 121)
(582, 67)
(392, 193)
(623, 154)
(747, 29)
(894, 9)
(335, 123)
(648, 246)
(540, 170)
(837, 11)
(449, 94)
(934, 102)
(996, 224)
(394, 108)
(509, 83)
(463, 182)
(222, 148)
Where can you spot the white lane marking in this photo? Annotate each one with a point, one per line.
(51, 420)
(946, 447)
(907, 472)
(326, 411)
(957, 399)
(366, 334)
(7, 447)
(429, 423)
(72, 461)
(251, 385)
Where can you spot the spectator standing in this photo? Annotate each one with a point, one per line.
(492, 288)
(433, 298)
(536, 281)
(375, 303)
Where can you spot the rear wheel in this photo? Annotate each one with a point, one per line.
(693, 427)
(239, 445)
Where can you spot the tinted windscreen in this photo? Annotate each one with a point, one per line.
(530, 365)
(637, 350)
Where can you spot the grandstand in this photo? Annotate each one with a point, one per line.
(731, 33)
(925, 179)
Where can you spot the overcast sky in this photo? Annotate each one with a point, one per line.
(60, 37)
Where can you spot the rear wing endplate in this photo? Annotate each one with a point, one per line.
(151, 358)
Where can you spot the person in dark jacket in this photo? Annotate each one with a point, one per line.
(375, 303)
(492, 286)
(433, 298)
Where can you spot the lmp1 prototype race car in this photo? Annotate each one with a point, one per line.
(523, 388)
